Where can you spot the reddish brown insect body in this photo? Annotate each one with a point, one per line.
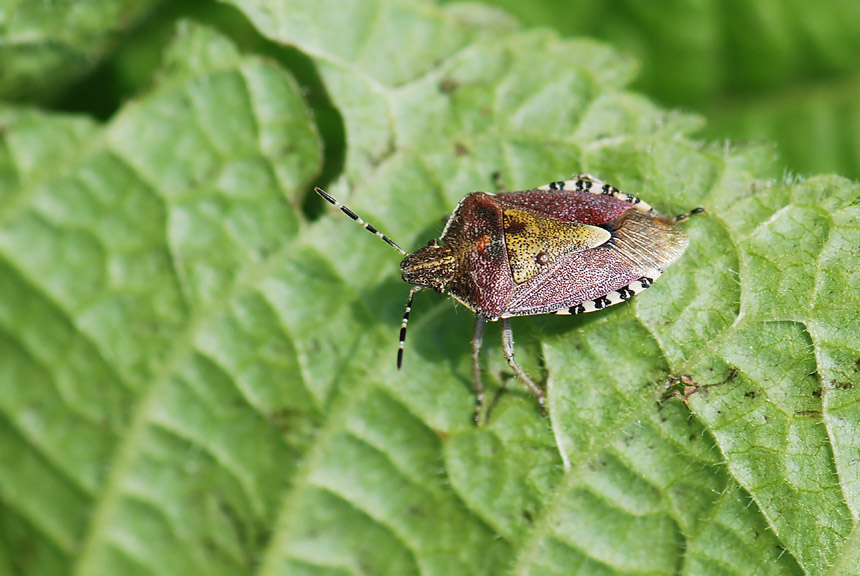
(565, 248)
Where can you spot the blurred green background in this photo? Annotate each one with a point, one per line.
(785, 71)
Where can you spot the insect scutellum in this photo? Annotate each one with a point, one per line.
(430, 267)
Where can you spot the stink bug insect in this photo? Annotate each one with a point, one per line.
(564, 248)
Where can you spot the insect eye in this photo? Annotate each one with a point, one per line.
(542, 258)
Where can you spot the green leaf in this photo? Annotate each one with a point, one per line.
(197, 379)
(532, 106)
(785, 71)
(130, 263)
(45, 45)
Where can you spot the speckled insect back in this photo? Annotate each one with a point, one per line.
(565, 248)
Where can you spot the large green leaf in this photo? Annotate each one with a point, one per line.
(196, 379)
(131, 258)
(45, 45)
(780, 70)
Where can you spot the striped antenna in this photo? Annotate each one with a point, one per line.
(391, 243)
(361, 222)
(404, 323)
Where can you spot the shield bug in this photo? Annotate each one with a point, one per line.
(564, 248)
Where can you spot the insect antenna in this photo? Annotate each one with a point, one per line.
(391, 243)
(361, 222)
(404, 323)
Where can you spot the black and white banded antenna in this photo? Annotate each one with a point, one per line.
(359, 220)
(394, 245)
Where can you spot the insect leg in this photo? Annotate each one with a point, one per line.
(478, 386)
(686, 215)
(508, 347)
(499, 182)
